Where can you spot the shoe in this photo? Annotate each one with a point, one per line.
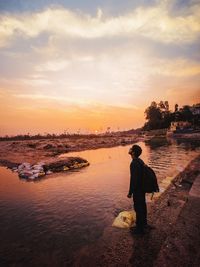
(136, 231)
(132, 228)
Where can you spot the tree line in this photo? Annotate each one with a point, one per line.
(21, 137)
(158, 115)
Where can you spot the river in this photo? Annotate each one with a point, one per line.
(46, 223)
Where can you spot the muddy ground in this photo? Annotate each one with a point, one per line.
(169, 215)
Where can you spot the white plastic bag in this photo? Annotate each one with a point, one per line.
(125, 219)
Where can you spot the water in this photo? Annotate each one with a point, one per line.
(46, 223)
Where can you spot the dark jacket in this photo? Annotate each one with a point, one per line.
(136, 170)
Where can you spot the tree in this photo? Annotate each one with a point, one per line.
(153, 116)
(167, 105)
(158, 116)
(187, 114)
(161, 105)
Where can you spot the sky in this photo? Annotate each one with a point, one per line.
(73, 65)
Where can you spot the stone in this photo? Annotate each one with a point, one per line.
(32, 172)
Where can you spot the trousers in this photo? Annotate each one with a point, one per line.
(140, 207)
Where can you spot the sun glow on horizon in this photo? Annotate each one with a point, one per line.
(63, 68)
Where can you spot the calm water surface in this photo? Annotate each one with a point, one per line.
(46, 223)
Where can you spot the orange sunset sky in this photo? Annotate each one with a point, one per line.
(89, 65)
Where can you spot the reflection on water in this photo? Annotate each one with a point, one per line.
(156, 142)
(50, 221)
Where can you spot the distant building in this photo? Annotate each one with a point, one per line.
(195, 109)
(180, 125)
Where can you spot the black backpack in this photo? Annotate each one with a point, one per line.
(149, 180)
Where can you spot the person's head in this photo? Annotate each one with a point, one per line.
(135, 151)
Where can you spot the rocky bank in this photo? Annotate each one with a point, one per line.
(175, 241)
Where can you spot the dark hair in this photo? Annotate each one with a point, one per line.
(136, 150)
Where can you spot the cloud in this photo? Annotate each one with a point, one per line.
(54, 98)
(62, 58)
(35, 82)
(55, 65)
(38, 96)
(155, 23)
(175, 68)
(48, 100)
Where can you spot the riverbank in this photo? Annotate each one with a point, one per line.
(34, 151)
(67, 218)
(175, 241)
(160, 133)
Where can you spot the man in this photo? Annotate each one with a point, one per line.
(135, 189)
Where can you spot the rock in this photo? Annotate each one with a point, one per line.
(48, 146)
(32, 172)
(28, 171)
(31, 145)
(9, 164)
(33, 177)
(48, 172)
(123, 142)
(66, 164)
(25, 174)
(65, 168)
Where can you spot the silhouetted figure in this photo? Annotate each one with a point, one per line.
(135, 189)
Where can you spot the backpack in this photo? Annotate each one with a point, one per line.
(149, 180)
